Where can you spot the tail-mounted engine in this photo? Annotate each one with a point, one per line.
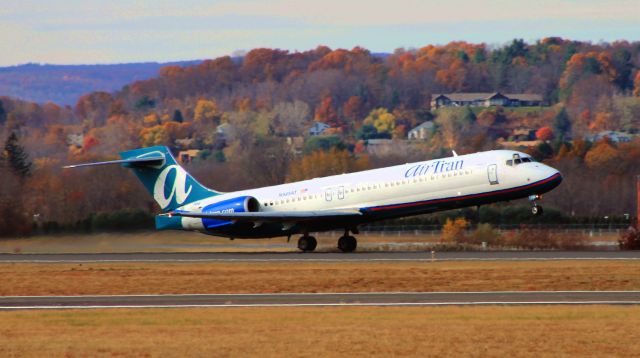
(236, 205)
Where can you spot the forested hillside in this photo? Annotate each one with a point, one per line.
(64, 84)
(247, 123)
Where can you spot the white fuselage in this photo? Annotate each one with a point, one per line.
(463, 177)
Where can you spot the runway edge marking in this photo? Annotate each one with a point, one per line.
(327, 293)
(398, 304)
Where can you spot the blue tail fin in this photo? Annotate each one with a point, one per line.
(170, 185)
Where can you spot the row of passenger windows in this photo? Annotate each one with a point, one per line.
(420, 179)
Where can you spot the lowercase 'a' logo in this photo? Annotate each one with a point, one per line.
(179, 188)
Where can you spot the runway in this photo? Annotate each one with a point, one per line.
(319, 257)
(323, 299)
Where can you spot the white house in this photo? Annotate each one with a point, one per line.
(422, 131)
(318, 128)
(485, 99)
(614, 136)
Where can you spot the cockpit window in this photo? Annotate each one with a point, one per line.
(519, 160)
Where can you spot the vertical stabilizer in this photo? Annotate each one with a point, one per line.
(170, 185)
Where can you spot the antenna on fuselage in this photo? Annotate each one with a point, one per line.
(454, 153)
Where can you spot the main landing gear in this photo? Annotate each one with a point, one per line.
(307, 243)
(536, 209)
(348, 243)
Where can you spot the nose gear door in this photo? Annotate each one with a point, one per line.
(492, 173)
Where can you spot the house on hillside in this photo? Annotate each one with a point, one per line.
(187, 156)
(318, 128)
(75, 139)
(614, 136)
(485, 99)
(519, 138)
(522, 134)
(423, 131)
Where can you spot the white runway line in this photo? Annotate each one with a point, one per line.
(457, 301)
(384, 293)
(399, 304)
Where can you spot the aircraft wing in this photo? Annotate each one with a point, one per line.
(273, 216)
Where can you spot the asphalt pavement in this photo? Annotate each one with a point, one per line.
(323, 299)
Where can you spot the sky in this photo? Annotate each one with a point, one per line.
(120, 31)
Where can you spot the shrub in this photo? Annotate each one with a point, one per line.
(630, 240)
(454, 231)
(542, 239)
(484, 233)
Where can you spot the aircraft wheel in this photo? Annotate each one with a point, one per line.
(536, 210)
(347, 244)
(307, 243)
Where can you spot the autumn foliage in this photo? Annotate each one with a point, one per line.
(249, 118)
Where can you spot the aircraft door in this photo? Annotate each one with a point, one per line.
(340, 192)
(328, 195)
(492, 172)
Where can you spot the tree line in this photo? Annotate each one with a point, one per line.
(250, 116)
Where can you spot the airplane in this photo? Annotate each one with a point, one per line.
(337, 202)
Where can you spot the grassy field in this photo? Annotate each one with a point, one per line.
(269, 277)
(176, 241)
(515, 331)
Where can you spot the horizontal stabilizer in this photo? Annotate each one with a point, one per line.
(272, 216)
(155, 160)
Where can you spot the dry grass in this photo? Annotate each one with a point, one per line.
(534, 331)
(269, 277)
(177, 241)
(182, 241)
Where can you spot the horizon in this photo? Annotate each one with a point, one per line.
(79, 33)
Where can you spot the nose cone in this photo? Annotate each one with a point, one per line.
(551, 177)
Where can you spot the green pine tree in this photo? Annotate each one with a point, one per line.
(16, 157)
(177, 116)
(3, 113)
(561, 125)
